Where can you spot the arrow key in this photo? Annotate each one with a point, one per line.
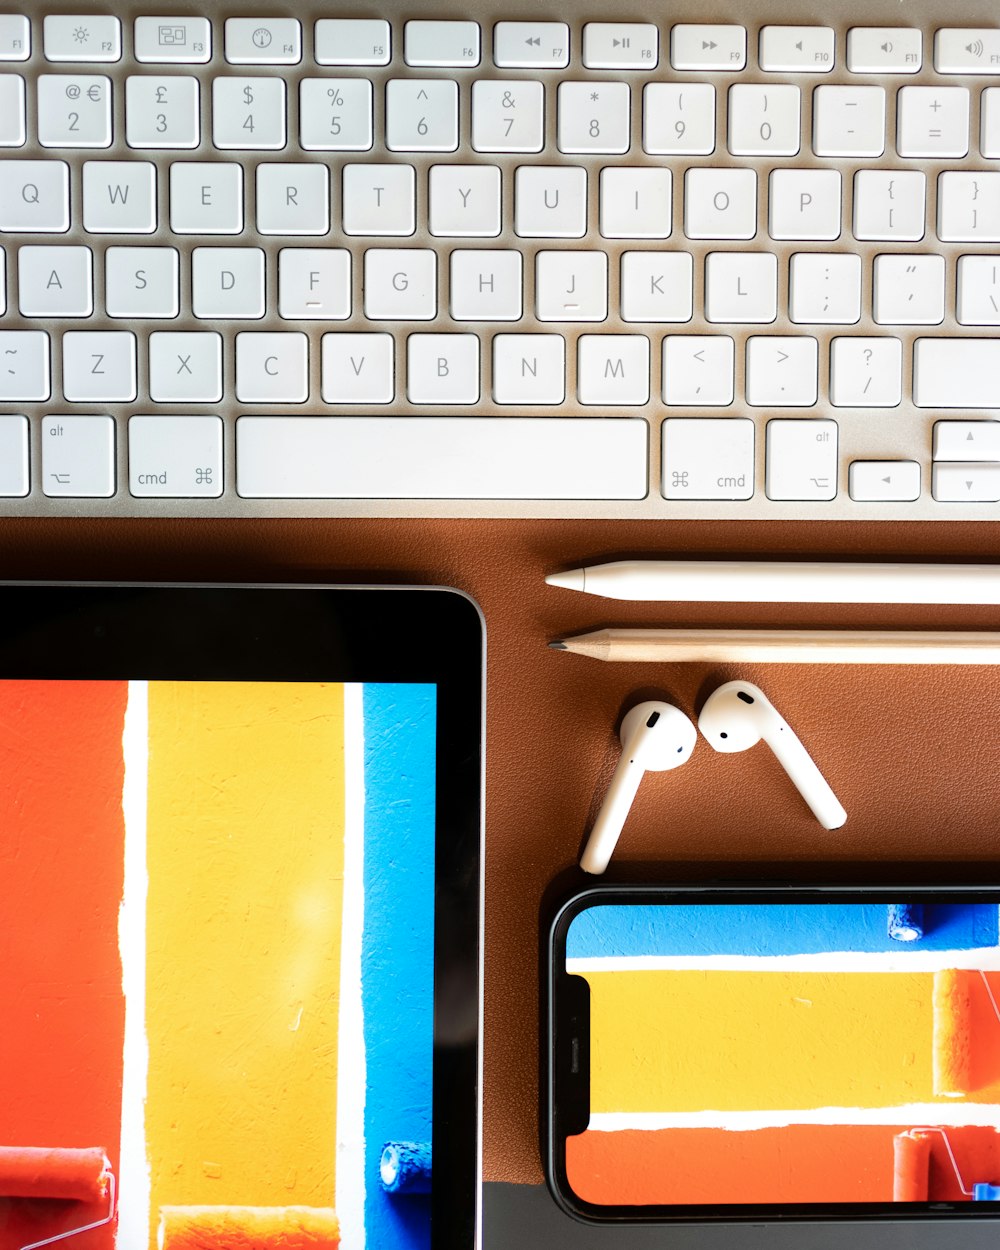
(620, 45)
(967, 440)
(698, 47)
(966, 483)
(884, 481)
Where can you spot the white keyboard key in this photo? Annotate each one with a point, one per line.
(358, 368)
(571, 286)
(78, 456)
(263, 41)
(657, 286)
(441, 458)
(956, 373)
(141, 282)
(884, 481)
(932, 121)
(74, 111)
(889, 204)
(884, 50)
(965, 483)
(866, 372)
(708, 47)
(248, 113)
(436, 45)
(967, 440)
(272, 368)
(698, 370)
(678, 119)
(989, 127)
(15, 37)
(529, 369)
(162, 112)
(352, 41)
(764, 120)
(12, 125)
(801, 459)
(206, 197)
(720, 203)
(379, 199)
(969, 207)
(620, 45)
(508, 116)
(442, 368)
(185, 367)
(421, 115)
(486, 285)
(55, 281)
(464, 200)
(635, 203)
(173, 40)
(34, 197)
(593, 117)
(227, 282)
(14, 480)
(804, 204)
(797, 49)
(99, 365)
(967, 51)
(531, 45)
(335, 114)
(400, 284)
(84, 38)
(824, 288)
(978, 298)
(908, 290)
(550, 201)
(314, 283)
(176, 457)
(782, 371)
(741, 287)
(849, 121)
(293, 199)
(119, 197)
(707, 458)
(612, 369)
(24, 365)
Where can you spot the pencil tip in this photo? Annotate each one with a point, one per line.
(572, 579)
(558, 645)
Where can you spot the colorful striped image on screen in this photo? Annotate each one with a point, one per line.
(781, 1054)
(217, 931)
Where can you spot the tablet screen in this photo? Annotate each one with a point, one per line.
(218, 959)
(786, 1055)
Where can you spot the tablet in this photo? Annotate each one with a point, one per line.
(240, 916)
(728, 1054)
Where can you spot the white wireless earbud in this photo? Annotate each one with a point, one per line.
(655, 736)
(738, 715)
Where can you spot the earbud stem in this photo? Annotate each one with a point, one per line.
(611, 818)
(806, 777)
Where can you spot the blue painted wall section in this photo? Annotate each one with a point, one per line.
(771, 929)
(397, 947)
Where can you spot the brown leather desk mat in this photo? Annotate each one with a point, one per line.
(911, 752)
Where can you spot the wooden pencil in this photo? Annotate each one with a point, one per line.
(786, 646)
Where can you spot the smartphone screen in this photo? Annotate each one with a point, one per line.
(724, 1054)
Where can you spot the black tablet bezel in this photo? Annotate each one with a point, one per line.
(319, 633)
(567, 1052)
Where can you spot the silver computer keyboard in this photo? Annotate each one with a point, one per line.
(600, 260)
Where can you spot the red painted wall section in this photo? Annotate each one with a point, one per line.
(797, 1163)
(61, 869)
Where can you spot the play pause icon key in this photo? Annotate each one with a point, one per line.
(531, 45)
(620, 45)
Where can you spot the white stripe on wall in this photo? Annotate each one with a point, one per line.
(910, 1115)
(986, 958)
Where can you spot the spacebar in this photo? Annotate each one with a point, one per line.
(441, 457)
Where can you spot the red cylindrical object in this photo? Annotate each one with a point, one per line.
(54, 1172)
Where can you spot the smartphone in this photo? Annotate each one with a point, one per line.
(747, 1054)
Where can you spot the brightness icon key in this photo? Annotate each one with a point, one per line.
(82, 38)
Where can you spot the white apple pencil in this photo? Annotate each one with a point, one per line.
(772, 581)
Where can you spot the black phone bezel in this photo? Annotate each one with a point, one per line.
(94, 631)
(567, 1034)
